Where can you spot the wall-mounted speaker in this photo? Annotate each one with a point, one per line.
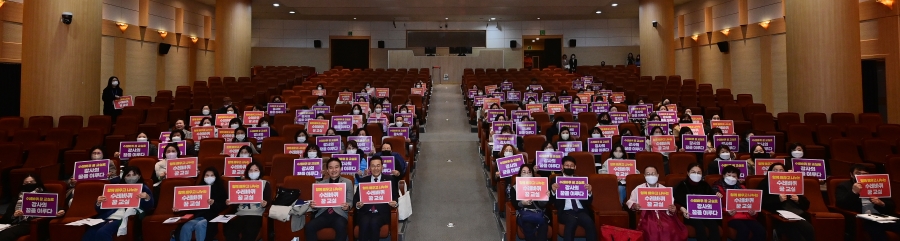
(317, 43)
(164, 48)
(512, 44)
(723, 46)
(571, 43)
(381, 44)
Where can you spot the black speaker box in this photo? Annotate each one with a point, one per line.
(512, 44)
(571, 42)
(317, 43)
(723, 46)
(380, 44)
(164, 48)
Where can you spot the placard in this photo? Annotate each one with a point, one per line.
(514, 96)
(472, 93)
(617, 97)
(578, 108)
(195, 120)
(342, 122)
(258, 133)
(181, 167)
(129, 149)
(727, 126)
(224, 120)
(743, 200)
(598, 146)
(161, 149)
(329, 144)
(123, 101)
(569, 146)
(235, 166)
(232, 149)
(317, 127)
(407, 117)
(532, 188)
(762, 165)
(358, 121)
(609, 130)
(621, 168)
(398, 131)
(664, 143)
(251, 118)
(121, 196)
(248, 192)
(536, 87)
(638, 111)
(505, 86)
(548, 160)
(417, 91)
(565, 99)
(545, 97)
(704, 207)
(192, 197)
(321, 109)
(91, 170)
(571, 188)
(574, 128)
(387, 165)
(363, 105)
(767, 142)
(516, 115)
(731, 141)
(295, 148)
(302, 116)
(553, 108)
(534, 107)
(788, 183)
(329, 195)
(503, 139)
(318, 92)
(584, 97)
(693, 143)
(696, 129)
(599, 107)
(43, 205)
(509, 166)
(375, 192)
(497, 126)
(276, 108)
(874, 185)
(364, 96)
(634, 144)
(741, 165)
(577, 84)
(530, 96)
(349, 162)
(670, 117)
(654, 198)
(487, 102)
(227, 134)
(198, 133)
(383, 121)
(346, 96)
(382, 92)
(810, 167)
(618, 118)
(308, 167)
(697, 119)
(364, 143)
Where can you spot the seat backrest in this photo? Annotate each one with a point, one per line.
(825, 133)
(88, 137)
(212, 161)
(146, 164)
(61, 136)
(606, 186)
(752, 181)
(815, 118)
(48, 154)
(211, 147)
(71, 122)
(679, 161)
(845, 149)
(42, 123)
(876, 150)
(584, 162)
(858, 131)
(126, 125)
(732, 112)
(167, 194)
(785, 119)
(12, 123)
(282, 166)
(801, 133)
(655, 159)
(85, 196)
(12, 154)
(814, 195)
(871, 119)
(290, 131)
(27, 137)
(832, 184)
(398, 145)
(533, 144)
(303, 183)
(843, 118)
(632, 181)
(889, 132)
(763, 122)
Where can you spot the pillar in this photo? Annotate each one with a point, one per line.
(60, 62)
(823, 56)
(657, 44)
(233, 38)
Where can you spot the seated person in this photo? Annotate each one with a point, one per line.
(115, 218)
(20, 225)
(370, 217)
(572, 212)
(334, 218)
(797, 204)
(847, 198)
(199, 225)
(399, 163)
(660, 225)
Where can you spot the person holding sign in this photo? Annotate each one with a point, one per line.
(170, 152)
(311, 151)
(353, 148)
(796, 150)
(850, 195)
(331, 217)
(704, 229)
(743, 222)
(725, 154)
(198, 225)
(572, 212)
(142, 136)
(114, 218)
(111, 94)
(529, 213)
(376, 112)
(301, 137)
(97, 153)
(797, 204)
(370, 217)
(180, 125)
(246, 225)
(659, 224)
(565, 135)
(399, 163)
(20, 225)
(618, 153)
(240, 135)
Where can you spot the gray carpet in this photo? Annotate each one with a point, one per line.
(450, 192)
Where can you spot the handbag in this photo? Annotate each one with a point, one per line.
(537, 216)
(286, 197)
(613, 233)
(404, 204)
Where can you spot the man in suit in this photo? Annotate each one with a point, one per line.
(847, 198)
(370, 217)
(331, 217)
(399, 163)
(572, 212)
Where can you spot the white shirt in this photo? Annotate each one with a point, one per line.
(569, 203)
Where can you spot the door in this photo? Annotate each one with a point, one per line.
(873, 83)
(552, 53)
(350, 53)
(10, 88)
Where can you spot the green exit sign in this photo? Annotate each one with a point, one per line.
(542, 32)
(350, 33)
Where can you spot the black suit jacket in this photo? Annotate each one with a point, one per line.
(384, 209)
(560, 204)
(848, 200)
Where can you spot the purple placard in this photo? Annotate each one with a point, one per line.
(661, 124)
(517, 115)
(91, 170)
(693, 143)
(164, 136)
(578, 108)
(599, 107)
(596, 86)
(565, 99)
(386, 108)
(363, 95)
(276, 108)
(259, 133)
(349, 162)
(577, 84)
(634, 144)
(322, 109)
(503, 139)
(506, 86)
(509, 166)
(387, 164)
(496, 126)
(308, 167)
(129, 149)
(618, 118)
(342, 122)
(569, 146)
(670, 117)
(40, 204)
(732, 141)
(493, 113)
(364, 143)
(638, 111)
(598, 146)
(302, 116)
(704, 207)
(329, 144)
(548, 160)
(571, 188)
(536, 87)
(398, 131)
(472, 93)
(513, 96)
(810, 167)
(407, 117)
(574, 127)
(529, 95)
(545, 97)
(767, 142)
(740, 164)
(526, 128)
(161, 149)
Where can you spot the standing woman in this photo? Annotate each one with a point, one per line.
(573, 63)
(111, 93)
(630, 59)
(565, 62)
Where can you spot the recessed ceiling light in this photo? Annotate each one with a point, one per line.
(493, 18)
(598, 12)
(539, 18)
(292, 12)
(615, 4)
(532, 40)
(276, 5)
(446, 18)
(354, 18)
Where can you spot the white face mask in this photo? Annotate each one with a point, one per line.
(507, 154)
(171, 155)
(177, 138)
(132, 180)
(399, 123)
(696, 177)
(264, 125)
(403, 111)
(548, 149)
(730, 180)
(301, 139)
(245, 155)
(205, 112)
(320, 87)
(230, 112)
(596, 135)
(564, 136)
(797, 154)
(651, 179)
(617, 154)
(239, 136)
(207, 124)
(725, 156)
(235, 126)
(526, 175)
(115, 83)
(356, 112)
(253, 175)
(320, 102)
(576, 102)
(351, 151)
(531, 102)
(96, 157)
(142, 139)
(312, 154)
(209, 180)
(378, 110)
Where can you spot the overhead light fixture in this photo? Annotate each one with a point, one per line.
(695, 37)
(539, 18)
(493, 18)
(276, 5)
(538, 38)
(162, 33)
(725, 31)
(765, 24)
(194, 39)
(292, 12)
(446, 18)
(354, 18)
(532, 40)
(2, 2)
(888, 3)
(615, 4)
(122, 26)
(598, 12)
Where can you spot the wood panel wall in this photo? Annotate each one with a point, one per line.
(658, 55)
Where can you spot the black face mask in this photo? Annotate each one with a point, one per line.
(569, 171)
(760, 155)
(386, 153)
(29, 187)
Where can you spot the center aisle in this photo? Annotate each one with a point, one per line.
(450, 192)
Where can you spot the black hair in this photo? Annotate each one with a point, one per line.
(334, 160)
(772, 167)
(247, 170)
(568, 159)
(730, 169)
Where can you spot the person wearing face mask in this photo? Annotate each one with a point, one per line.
(506, 151)
(797, 204)
(276, 99)
(199, 225)
(554, 100)
(725, 154)
(565, 135)
(596, 132)
(111, 94)
(171, 152)
(744, 222)
(336, 217)
(796, 150)
(529, 213)
(207, 121)
(547, 146)
(399, 122)
(206, 111)
(181, 126)
(848, 198)
(709, 139)
(604, 119)
(574, 213)
(248, 221)
(377, 112)
(178, 135)
(141, 136)
(312, 151)
(759, 152)
(660, 225)
(371, 217)
(357, 110)
(705, 229)
(235, 123)
(613, 108)
(240, 135)
(553, 130)
(573, 63)
(226, 102)
(301, 137)
(320, 101)
(97, 153)
(353, 148)
(20, 225)
(617, 153)
(744, 146)
(116, 220)
(246, 151)
(399, 163)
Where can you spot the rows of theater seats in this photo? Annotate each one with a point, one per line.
(50, 151)
(842, 142)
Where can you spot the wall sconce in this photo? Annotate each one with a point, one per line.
(193, 39)
(2, 2)
(695, 37)
(888, 3)
(162, 33)
(122, 26)
(725, 31)
(765, 24)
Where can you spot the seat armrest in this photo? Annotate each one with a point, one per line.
(394, 225)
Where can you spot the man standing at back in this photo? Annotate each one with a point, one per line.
(572, 212)
(332, 217)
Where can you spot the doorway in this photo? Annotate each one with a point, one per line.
(542, 51)
(873, 83)
(350, 53)
(10, 88)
